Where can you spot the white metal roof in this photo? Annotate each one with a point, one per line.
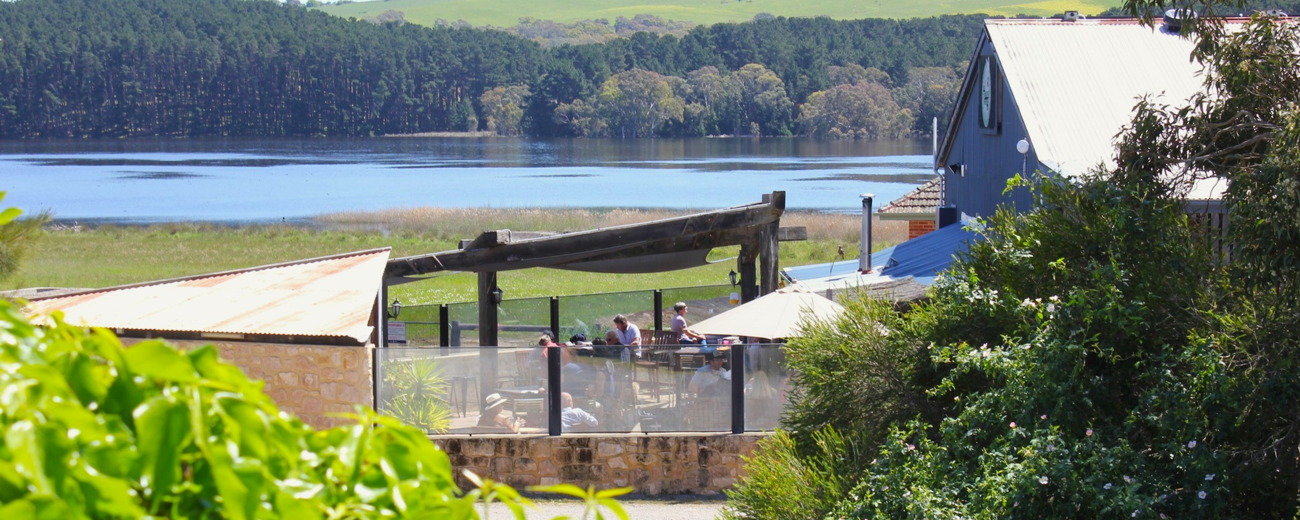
(1076, 83)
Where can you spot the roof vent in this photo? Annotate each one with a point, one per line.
(1071, 16)
(1175, 18)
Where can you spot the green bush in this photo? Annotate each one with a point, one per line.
(418, 391)
(1102, 356)
(784, 485)
(93, 430)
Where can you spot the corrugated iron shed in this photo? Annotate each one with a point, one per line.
(327, 297)
(1076, 83)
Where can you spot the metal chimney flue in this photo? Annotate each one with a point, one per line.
(864, 256)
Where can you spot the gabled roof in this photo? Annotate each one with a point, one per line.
(920, 203)
(1076, 83)
(326, 297)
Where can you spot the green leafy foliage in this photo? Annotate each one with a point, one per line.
(593, 499)
(93, 430)
(16, 237)
(418, 392)
(783, 484)
(1108, 354)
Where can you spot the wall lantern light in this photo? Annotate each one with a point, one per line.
(732, 277)
(497, 295)
(397, 308)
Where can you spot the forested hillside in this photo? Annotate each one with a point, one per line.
(73, 68)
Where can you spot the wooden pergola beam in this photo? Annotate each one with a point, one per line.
(496, 251)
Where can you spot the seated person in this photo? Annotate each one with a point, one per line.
(710, 379)
(574, 375)
(628, 333)
(580, 345)
(571, 417)
(685, 336)
(547, 340)
(494, 415)
(603, 349)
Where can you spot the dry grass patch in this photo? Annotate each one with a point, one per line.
(456, 223)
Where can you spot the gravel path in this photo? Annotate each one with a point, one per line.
(673, 508)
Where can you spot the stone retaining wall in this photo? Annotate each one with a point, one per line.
(663, 464)
(310, 381)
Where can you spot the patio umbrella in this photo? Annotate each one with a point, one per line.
(774, 316)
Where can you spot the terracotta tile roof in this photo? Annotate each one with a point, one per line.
(331, 296)
(922, 200)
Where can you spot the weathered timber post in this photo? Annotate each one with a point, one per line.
(746, 264)
(769, 251)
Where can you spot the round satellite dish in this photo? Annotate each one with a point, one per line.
(1023, 146)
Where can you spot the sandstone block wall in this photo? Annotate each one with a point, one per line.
(310, 381)
(663, 464)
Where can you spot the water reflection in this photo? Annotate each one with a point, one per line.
(251, 180)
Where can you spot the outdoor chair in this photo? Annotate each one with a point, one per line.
(532, 409)
(652, 376)
(691, 361)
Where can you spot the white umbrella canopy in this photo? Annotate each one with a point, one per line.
(774, 316)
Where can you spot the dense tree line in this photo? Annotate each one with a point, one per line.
(73, 68)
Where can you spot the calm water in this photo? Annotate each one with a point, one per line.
(245, 180)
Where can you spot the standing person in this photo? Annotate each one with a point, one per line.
(628, 334)
(685, 336)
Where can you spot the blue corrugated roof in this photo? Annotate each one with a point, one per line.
(925, 256)
(840, 268)
(922, 258)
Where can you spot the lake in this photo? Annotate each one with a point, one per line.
(273, 180)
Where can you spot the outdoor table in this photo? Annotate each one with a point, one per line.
(520, 392)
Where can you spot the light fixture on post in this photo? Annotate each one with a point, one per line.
(732, 276)
(1022, 146)
(397, 309)
(735, 296)
(497, 294)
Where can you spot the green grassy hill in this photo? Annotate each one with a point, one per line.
(505, 13)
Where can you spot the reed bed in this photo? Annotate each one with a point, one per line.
(456, 223)
(102, 256)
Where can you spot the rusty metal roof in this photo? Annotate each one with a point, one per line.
(331, 296)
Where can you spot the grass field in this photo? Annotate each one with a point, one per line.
(505, 13)
(108, 256)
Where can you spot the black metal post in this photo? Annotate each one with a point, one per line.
(555, 318)
(444, 326)
(738, 388)
(553, 390)
(489, 303)
(381, 340)
(659, 310)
